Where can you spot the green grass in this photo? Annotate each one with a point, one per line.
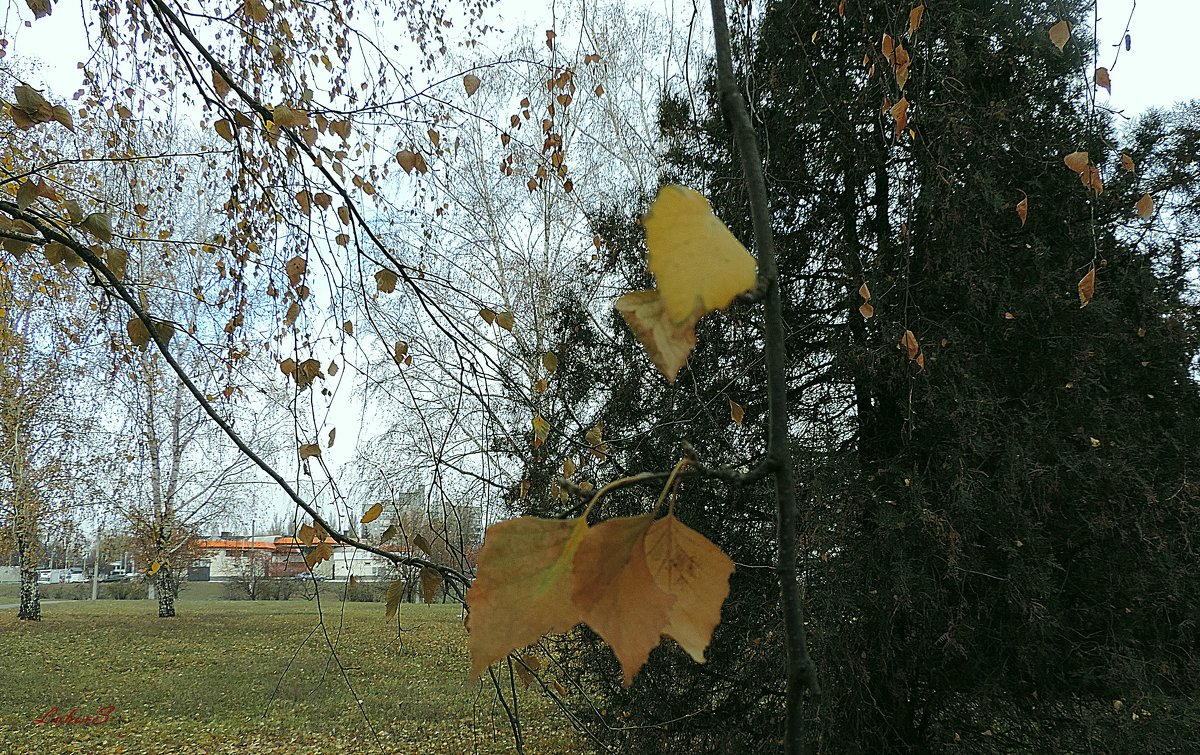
(217, 679)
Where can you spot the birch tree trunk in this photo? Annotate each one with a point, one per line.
(31, 605)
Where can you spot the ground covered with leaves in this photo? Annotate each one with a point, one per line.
(226, 677)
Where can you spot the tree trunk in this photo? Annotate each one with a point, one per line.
(165, 585)
(31, 604)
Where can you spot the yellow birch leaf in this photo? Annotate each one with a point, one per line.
(154, 567)
(616, 593)
(696, 261)
(431, 582)
(288, 117)
(667, 343)
(523, 586)
(686, 565)
(1145, 206)
(1087, 288)
(1059, 34)
(541, 430)
(372, 513)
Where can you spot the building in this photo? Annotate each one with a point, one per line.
(237, 557)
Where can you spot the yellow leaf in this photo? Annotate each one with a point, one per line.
(1091, 180)
(372, 513)
(385, 281)
(541, 430)
(154, 567)
(224, 130)
(395, 592)
(667, 343)
(696, 261)
(322, 552)
(1087, 288)
(1077, 161)
(616, 593)
(1059, 34)
(1023, 209)
(308, 450)
(1145, 206)
(686, 565)
(287, 117)
(471, 83)
(899, 112)
(595, 436)
(431, 582)
(523, 586)
(736, 412)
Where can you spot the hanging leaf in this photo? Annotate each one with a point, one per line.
(1103, 80)
(395, 592)
(914, 20)
(736, 412)
(1023, 210)
(488, 315)
(1059, 34)
(308, 450)
(1127, 163)
(523, 586)
(541, 430)
(431, 582)
(407, 160)
(910, 344)
(1077, 161)
(139, 335)
(295, 269)
(697, 263)
(388, 534)
(333, 431)
(1145, 206)
(1087, 288)
(322, 552)
(899, 112)
(154, 567)
(866, 309)
(550, 361)
(420, 541)
(385, 281)
(686, 565)
(505, 320)
(666, 343)
(1090, 178)
(617, 595)
(287, 117)
(372, 513)
(471, 83)
(99, 225)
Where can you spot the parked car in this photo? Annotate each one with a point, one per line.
(309, 576)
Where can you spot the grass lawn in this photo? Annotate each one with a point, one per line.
(217, 679)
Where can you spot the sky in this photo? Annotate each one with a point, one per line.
(1155, 71)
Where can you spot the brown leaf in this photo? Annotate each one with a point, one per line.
(138, 333)
(914, 19)
(686, 565)
(736, 412)
(505, 320)
(471, 83)
(322, 552)
(1023, 209)
(295, 269)
(1145, 206)
(420, 541)
(287, 117)
(1091, 180)
(385, 281)
(431, 582)
(224, 130)
(40, 8)
(1077, 161)
(395, 592)
(866, 310)
(1087, 288)
(488, 315)
(372, 513)
(899, 112)
(666, 343)
(308, 450)
(407, 160)
(1127, 163)
(523, 588)
(1103, 80)
(1059, 34)
(99, 226)
(617, 595)
(388, 534)
(400, 352)
(909, 342)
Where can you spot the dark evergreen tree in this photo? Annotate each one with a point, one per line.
(999, 543)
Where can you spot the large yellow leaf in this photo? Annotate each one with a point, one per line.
(696, 261)
(523, 587)
(617, 595)
(687, 565)
(667, 343)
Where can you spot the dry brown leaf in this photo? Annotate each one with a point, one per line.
(431, 583)
(1145, 206)
(322, 552)
(372, 513)
(139, 334)
(616, 593)
(1087, 288)
(1103, 80)
(899, 112)
(471, 83)
(385, 281)
(666, 343)
(914, 19)
(1059, 34)
(686, 565)
(395, 593)
(505, 320)
(419, 541)
(407, 159)
(1090, 178)
(295, 269)
(1023, 210)
(736, 412)
(910, 344)
(308, 450)
(1127, 163)
(489, 315)
(523, 586)
(1077, 161)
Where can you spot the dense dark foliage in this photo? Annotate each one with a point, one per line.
(999, 547)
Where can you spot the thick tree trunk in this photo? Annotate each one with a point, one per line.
(165, 586)
(31, 605)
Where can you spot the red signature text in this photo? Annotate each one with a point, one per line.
(74, 717)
